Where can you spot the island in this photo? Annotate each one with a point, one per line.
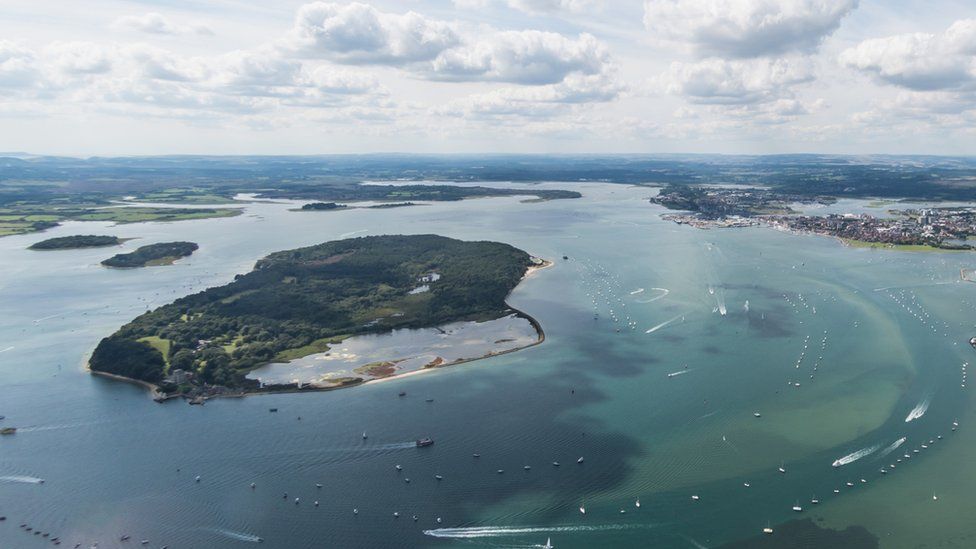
(322, 206)
(299, 302)
(164, 253)
(77, 241)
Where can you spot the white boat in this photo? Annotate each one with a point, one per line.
(582, 510)
(548, 544)
(767, 530)
(364, 435)
(797, 507)
(637, 503)
(580, 460)
(695, 498)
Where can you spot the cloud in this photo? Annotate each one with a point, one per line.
(18, 67)
(920, 61)
(554, 6)
(737, 82)
(537, 101)
(78, 58)
(524, 57)
(157, 23)
(746, 28)
(360, 34)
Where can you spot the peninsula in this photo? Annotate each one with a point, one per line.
(77, 241)
(164, 253)
(296, 303)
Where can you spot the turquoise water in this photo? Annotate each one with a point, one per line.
(891, 328)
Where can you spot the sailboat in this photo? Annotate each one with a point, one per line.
(797, 507)
(767, 530)
(548, 544)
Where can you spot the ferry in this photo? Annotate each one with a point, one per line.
(426, 441)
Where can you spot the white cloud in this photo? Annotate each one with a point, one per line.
(537, 101)
(360, 34)
(553, 6)
(920, 61)
(746, 28)
(525, 57)
(78, 58)
(17, 66)
(737, 82)
(157, 23)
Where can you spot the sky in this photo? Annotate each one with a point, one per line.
(113, 77)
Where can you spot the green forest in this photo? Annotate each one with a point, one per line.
(163, 253)
(76, 241)
(294, 302)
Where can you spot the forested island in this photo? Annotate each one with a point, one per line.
(163, 253)
(295, 303)
(322, 206)
(76, 241)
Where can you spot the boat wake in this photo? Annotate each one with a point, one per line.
(39, 320)
(353, 233)
(852, 457)
(894, 446)
(394, 446)
(664, 293)
(918, 411)
(503, 531)
(662, 325)
(637, 291)
(239, 536)
(11, 348)
(22, 479)
(679, 373)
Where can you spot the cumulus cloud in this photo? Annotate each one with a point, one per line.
(553, 6)
(537, 101)
(157, 23)
(737, 82)
(746, 28)
(525, 57)
(920, 61)
(360, 34)
(17, 66)
(78, 58)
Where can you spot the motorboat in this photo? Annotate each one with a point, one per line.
(426, 441)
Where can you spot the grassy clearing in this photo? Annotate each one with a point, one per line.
(898, 247)
(315, 347)
(160, 344)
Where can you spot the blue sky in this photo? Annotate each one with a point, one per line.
(655, 76)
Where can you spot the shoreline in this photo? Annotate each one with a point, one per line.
(161, 397)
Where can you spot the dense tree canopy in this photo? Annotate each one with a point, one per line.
(295, 298)
(153, 254)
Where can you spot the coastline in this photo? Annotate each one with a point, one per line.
(160, 397)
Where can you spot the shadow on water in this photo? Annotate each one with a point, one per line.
(805, 534)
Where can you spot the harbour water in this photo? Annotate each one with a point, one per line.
(835, 350)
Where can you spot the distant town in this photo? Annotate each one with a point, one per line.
(945, 228)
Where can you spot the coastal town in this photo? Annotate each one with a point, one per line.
(943, 227)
